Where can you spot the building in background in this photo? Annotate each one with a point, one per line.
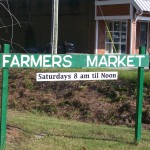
(122, 26)
(93, 26)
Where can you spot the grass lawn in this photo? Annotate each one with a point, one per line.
(40, 132)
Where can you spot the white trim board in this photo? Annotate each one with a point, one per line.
(143, 18)
(113, 17)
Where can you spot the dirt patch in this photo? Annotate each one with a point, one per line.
(13, 134)
(110, 102)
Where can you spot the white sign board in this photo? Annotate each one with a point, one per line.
(76, 76)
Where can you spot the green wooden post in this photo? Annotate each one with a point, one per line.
(4, 102)
(138, 124)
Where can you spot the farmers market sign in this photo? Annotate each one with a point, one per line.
(72, 61)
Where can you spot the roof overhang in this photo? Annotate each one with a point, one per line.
(140, 5)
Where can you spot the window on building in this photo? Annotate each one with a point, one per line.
(116, 37)
(143, 34)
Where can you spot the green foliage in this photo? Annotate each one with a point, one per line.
(28, 83)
